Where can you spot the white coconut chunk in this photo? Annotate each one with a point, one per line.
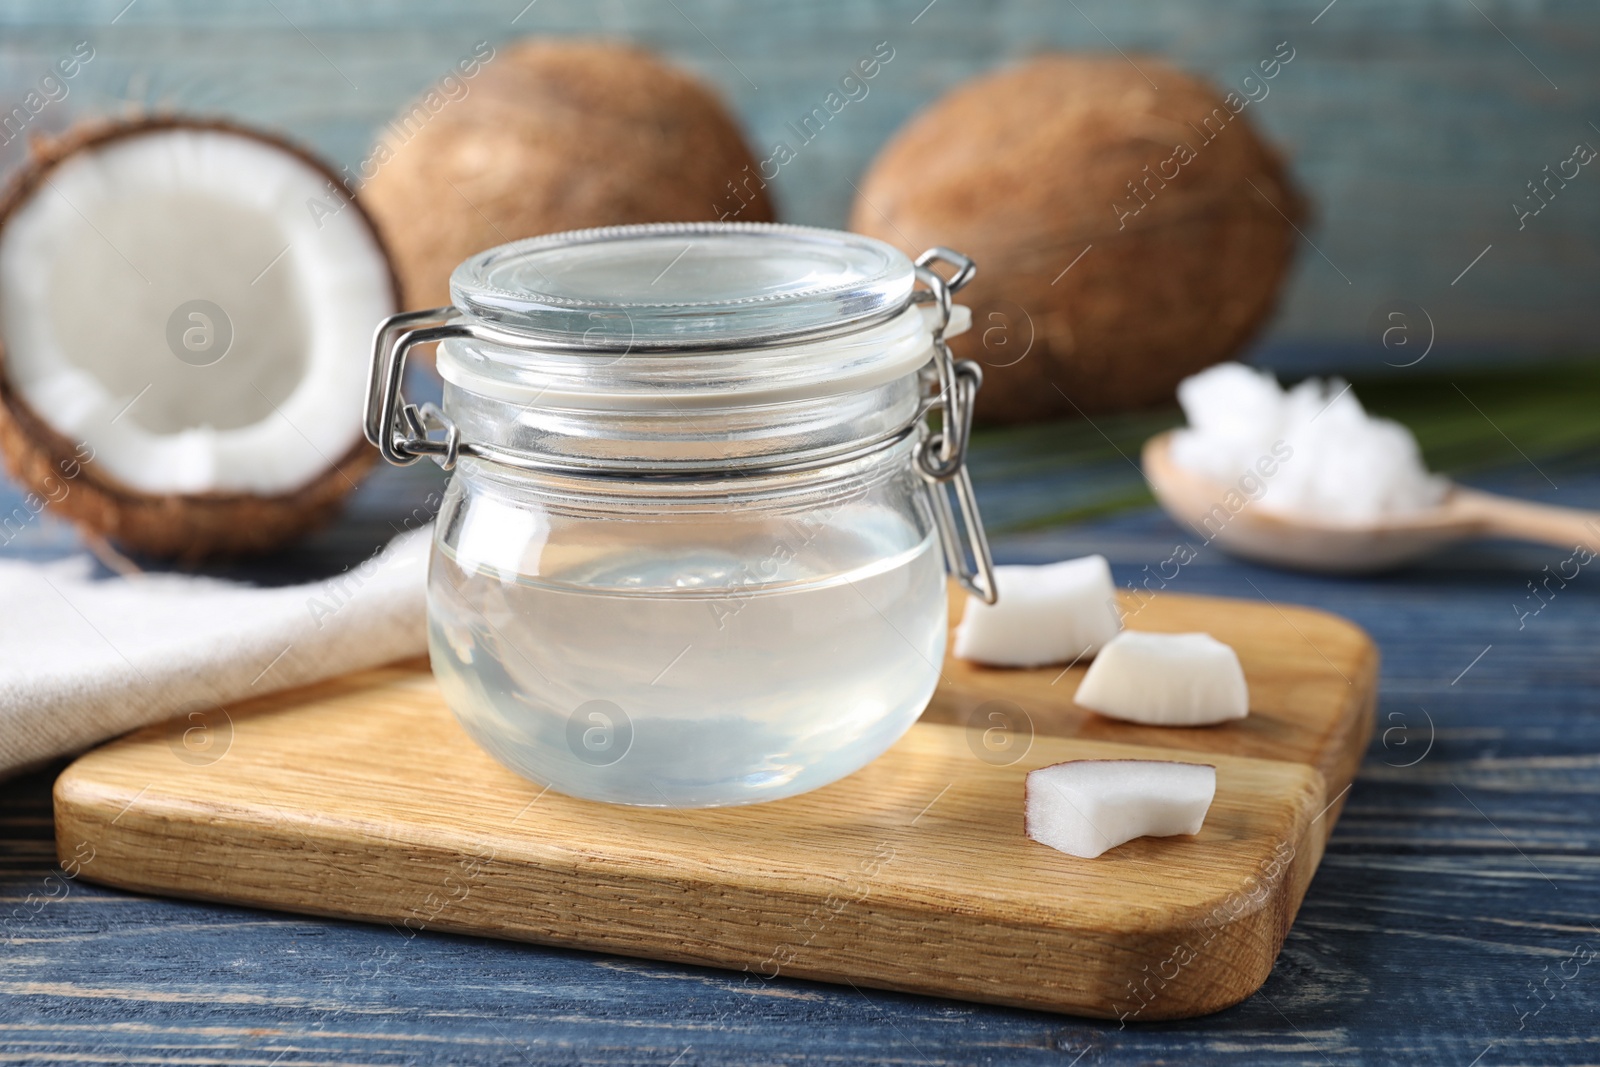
(1055, 613)
(1166, 680)
(104, 268)
(1085, 807)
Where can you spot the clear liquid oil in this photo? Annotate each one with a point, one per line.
(689, 675)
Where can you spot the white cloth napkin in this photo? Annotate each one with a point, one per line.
(83, 660)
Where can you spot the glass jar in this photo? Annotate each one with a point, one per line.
(707, 482)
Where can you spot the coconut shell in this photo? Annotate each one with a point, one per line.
(187, 527)
(552, 136)
(1026, 168)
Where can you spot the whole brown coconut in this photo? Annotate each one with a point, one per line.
(552, 136)
(1179, 212)
(69, 475)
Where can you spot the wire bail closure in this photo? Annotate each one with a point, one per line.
(942, 456)
(402, 431)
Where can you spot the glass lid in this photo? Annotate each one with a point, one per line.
(684, 285)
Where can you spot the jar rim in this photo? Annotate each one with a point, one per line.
(699, 286)
(484, 366)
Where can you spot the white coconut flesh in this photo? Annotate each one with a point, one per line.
(1166, 680)
(1087, 807)
(100, 274)
(1053, 613)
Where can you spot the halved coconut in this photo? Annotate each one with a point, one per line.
(187, 310)
(1089, 806)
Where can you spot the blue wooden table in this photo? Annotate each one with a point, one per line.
(1453, 920)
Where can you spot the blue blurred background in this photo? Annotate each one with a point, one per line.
(1414, 125)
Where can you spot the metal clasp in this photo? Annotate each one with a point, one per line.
(942, 456)
(400, 429)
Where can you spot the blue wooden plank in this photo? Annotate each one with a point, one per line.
(1452, 918)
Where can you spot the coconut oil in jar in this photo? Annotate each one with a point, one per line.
(708, 480)
(687, 661)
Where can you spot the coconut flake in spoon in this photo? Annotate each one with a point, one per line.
(1085, 807)
(1053, 613)
(1310, 451)
(1165, 680)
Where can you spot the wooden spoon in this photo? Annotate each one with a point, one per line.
(1320, 545)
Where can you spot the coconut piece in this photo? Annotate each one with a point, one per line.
(186, 335)
(1085, 807)
(1165, 680)
(1026, 168)
(1055, 613)
(555, 135)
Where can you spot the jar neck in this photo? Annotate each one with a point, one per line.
(711, 491)
(698, 442)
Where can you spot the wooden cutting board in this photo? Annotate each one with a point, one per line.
(361, 798)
